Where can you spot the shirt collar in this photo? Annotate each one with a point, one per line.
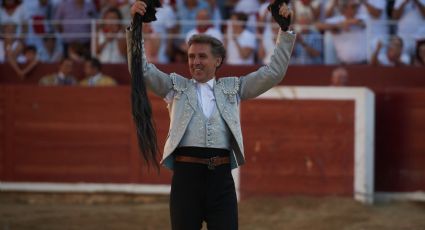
(210, 83)
(61, 76)
(96, 76)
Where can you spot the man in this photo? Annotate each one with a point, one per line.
(204, 26)
(75, 10)
(205, 138)
(94, 76)
(349, 33)
(410, 15)
(63, 77)
(392, 56)
(308, 49)
(240, 42)
(339, 77)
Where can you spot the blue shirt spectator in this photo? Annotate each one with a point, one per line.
(75, 10)
(187, 11)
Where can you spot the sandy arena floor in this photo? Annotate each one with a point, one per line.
(127, 212)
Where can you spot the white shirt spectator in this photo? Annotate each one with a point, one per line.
(245, 39)
(411, 19)
(306, 10)
(111, 52)
(265, 14)
(18, 17)
(351, 45)
(376, 28)
(249, 7)
(383, 59)
(268, 43)
(166, 19)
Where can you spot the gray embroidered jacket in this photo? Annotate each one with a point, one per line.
(227, 91)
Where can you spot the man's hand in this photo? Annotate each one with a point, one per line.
(146, 8)
(281, 13)
(138, 7)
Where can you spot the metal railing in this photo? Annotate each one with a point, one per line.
(93, 27)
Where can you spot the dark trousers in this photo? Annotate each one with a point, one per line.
(199, 194)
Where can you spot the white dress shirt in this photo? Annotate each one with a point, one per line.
(206, 96)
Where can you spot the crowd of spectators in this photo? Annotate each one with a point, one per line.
(378, 32)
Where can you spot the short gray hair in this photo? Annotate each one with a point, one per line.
(217, 47)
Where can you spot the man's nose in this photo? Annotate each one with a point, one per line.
(197, 60)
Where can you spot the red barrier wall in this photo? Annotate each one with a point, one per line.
(400, 128)
(298, 147)
(400, 140)
(75, 134)
(363, 75)
(72, 134)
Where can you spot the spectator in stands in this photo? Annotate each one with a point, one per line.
(308, 49)
(306, 10)
(250, 8)
(125, 9)
(410, 15)
(77, 52)
(339, 77)
(28, 62)
(75, 10)
(204, 26)
(375, 16)
(10, 45)
(122, 5)
(349, 33)
(152, 42)
(392, 56)
(94, 76)
(165, 26)
(420, 54)
(110, 42)
(13, 12)
(41, 14)
(215, 14)
(228, 7)
(186, 13)
(62, 77)
(240, 43)
(267, 42)
(264, 18)
(332, 8)
(105, 5)
(51, 50)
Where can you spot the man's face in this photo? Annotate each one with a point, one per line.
(351, 9)
(66, 67)
(202, 63)
(237, 24)
(89, 70)
(111, 27)
(394, 49)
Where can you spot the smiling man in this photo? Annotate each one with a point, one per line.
(205, 140)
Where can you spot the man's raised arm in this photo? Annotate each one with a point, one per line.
(159, 82)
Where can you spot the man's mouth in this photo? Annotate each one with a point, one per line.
(197, 69)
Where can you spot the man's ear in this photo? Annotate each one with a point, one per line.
(218, 62)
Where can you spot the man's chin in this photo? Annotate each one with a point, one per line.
(198, 78)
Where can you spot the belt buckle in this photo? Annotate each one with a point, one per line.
(211, 163)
